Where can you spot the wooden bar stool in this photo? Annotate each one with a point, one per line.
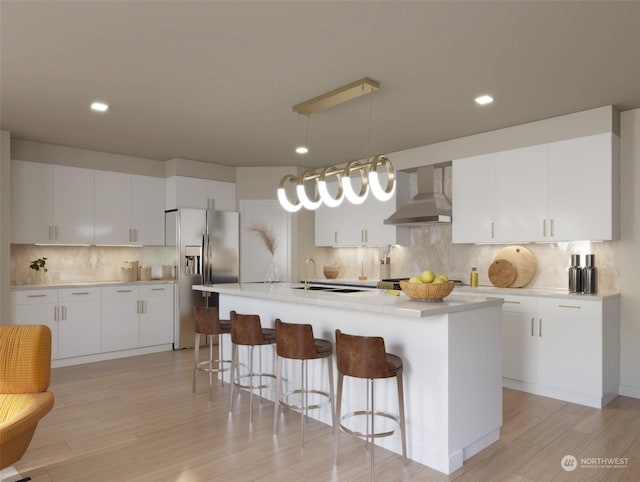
(207, 322)
(246, 330)
(366, 357)
(296, 342)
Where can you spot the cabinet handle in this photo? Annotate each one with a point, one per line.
(532, 320)
(55, 233)
(540, 328)
(143, 304)
(50, 233)
(158, 289)
(544, 228)
(569, 306)
(135, 235)
(492, 226)
(55, 313)
(36, 296)
(64, 313)
(551, 227)
(512, 302)
(335, 236)
(130, 237)
(138, 306)
(81, 293)
(124, 291)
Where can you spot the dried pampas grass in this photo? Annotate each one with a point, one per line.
(266, 235)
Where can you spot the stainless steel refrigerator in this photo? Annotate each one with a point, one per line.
(207, 251)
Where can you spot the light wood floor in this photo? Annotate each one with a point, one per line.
(135, 419)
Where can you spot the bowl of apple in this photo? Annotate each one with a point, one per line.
(427, 287)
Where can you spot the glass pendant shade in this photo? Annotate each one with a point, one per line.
(323, 189)
(282, 195)
(349, 192)
(302, 192)
(374, 179)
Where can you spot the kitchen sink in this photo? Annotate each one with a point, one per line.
(315, 288)
(330, 288)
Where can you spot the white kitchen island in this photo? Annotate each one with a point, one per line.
(452, 353)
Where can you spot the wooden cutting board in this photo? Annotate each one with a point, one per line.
(524, 261)
(502, 273)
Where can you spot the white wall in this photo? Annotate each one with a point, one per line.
(629, 247)
(5, 223)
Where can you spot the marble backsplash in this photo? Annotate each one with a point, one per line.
(85, 263)
(431, 248)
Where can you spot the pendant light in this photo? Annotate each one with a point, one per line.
(368, 170)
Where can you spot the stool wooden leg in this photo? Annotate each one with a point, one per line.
(336, 429)
(276, 405)
(402, 426)
(196, 359)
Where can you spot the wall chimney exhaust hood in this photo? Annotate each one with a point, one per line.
(426, 207)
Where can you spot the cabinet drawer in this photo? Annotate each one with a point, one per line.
(519, 304)
(33, 297)
(156, 290)
(570, 309)
(125, 292)
(78, 294)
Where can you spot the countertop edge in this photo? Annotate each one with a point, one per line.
(91, 284)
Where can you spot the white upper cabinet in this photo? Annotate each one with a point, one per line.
(363, 224)
(51, 204)
(147, 213)
(31, 197)
(112, 207)
(129, 209)
(562, 191)
(474, 201)
(73, 205)
(584, 188)
(521, 194)
(189, 192)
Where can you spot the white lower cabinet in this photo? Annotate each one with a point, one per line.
(156, 317)
(72, 314)
(136, 316)
(563, 348)
(87, 321)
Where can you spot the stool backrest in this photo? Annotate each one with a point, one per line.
(206, 320)
(361, 356)
(295, 340)
(246, 329)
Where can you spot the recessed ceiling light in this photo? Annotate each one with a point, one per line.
(302, 149)
(484, 99)
(99, 106)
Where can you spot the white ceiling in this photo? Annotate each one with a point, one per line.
(215, 81)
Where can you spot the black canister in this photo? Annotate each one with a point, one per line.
(589, 275)
(575, 275)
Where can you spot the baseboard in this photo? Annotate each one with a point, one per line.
(65, 362)
(629, 391)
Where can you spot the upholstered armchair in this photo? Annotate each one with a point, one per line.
(25, 370)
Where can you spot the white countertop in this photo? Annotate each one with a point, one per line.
(535, 292)
(79, 284)
(370, 300)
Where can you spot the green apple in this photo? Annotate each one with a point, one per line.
(443, 276)
(427, 276)
(415, 279)
(439, 280)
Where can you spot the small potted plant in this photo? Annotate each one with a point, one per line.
(39, 266)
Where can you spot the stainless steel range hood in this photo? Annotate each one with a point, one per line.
(426, 207)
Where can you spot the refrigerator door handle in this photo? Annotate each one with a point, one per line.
(203, 272)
